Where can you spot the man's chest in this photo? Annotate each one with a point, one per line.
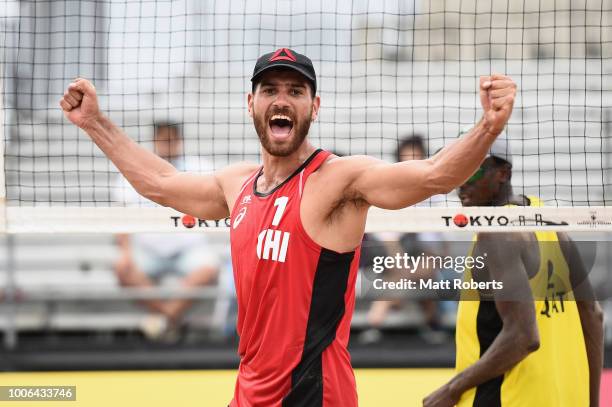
(262, 226)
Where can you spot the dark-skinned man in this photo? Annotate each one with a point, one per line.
(539, 340)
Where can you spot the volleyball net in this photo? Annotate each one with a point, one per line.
(386, 71)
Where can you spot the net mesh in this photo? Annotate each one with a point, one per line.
(386, 69)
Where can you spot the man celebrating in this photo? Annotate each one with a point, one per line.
(296, 223)
(537, 342)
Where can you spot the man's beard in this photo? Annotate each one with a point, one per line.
(300, 131)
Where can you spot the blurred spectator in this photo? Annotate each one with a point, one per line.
(146, 259)
(429, 243)
(410, 148)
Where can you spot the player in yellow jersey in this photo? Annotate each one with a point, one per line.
(539, 341)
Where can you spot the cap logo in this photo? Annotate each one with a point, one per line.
(283, 54)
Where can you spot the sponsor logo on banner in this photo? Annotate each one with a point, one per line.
(537, 220)
(190, 222)
(595, 221)
(461, 220)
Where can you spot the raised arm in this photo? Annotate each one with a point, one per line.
(153, 177)
(394, 186)
(519, 333)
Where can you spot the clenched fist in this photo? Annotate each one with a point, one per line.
(497, 94)
(80, 103)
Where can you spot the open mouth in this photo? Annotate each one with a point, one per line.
(280, 125)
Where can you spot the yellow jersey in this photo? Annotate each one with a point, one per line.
(557, 374)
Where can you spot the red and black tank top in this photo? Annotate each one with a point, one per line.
(295, 301)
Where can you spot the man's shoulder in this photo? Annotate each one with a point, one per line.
(339, 166)
(506, 244)
(351, 160)
(337, 173)
(240, 168)
(236, 174)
